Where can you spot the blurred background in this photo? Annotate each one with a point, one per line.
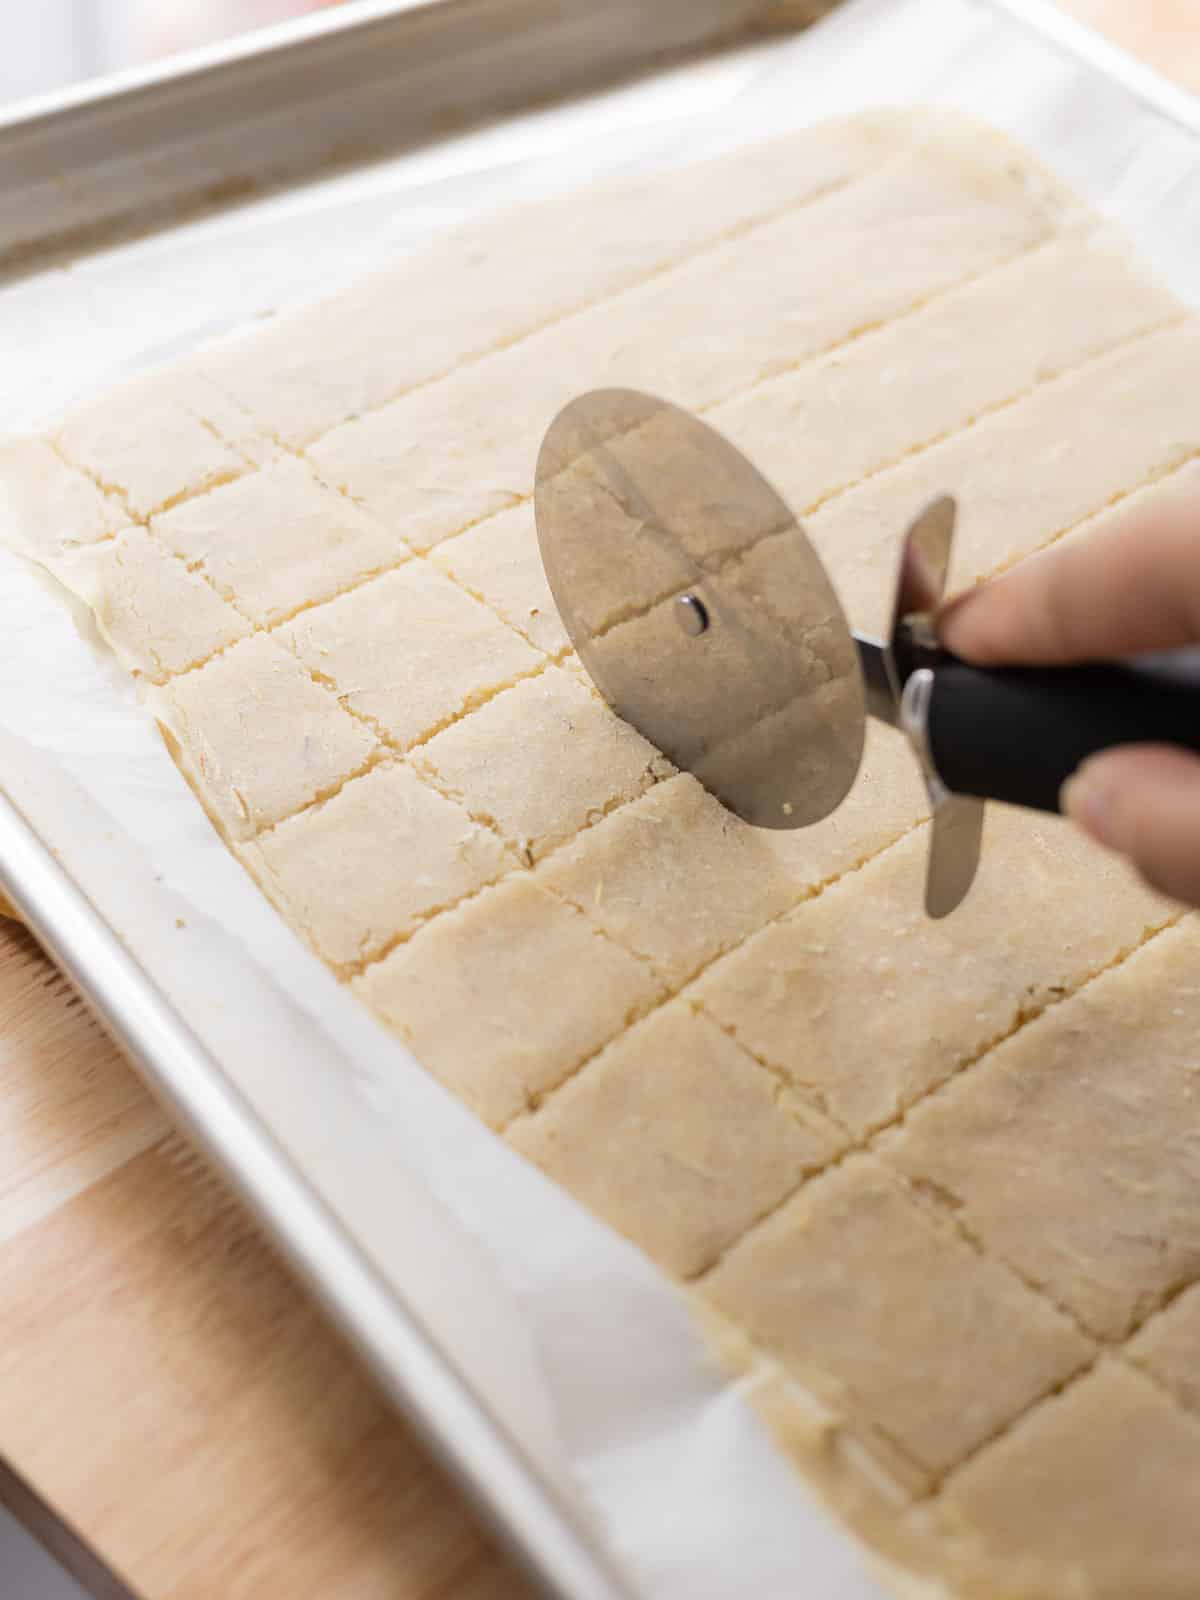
(47, 43)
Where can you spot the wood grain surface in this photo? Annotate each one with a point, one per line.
(163, 1383)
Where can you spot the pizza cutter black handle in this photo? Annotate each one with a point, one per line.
(1017, 734)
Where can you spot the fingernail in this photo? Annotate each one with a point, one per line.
(1085, 799)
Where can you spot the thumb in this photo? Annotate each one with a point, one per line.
(1144, 802)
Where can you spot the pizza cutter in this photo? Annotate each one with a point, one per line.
(706, 619)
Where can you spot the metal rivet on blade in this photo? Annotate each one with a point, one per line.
(691, 615)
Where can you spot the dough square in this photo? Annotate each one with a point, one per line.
(1094, 1493)
(149, 441)
(499, 562)
(278, 539)
(677, 1138)
(633, 875)
(881, 1307)
(480, 997)
(1168, 1347)
(257, 737)
(372, 862)
(231, 422)
(1047, 910)
(635, 872)
(48, 509)
(409, 650)
(1071, 1150)
(542, 760)
(441, 458)
(159, 617)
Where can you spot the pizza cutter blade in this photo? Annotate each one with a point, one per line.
(699, 608)
(957, 819)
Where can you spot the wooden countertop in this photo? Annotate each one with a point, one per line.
(163, 1384)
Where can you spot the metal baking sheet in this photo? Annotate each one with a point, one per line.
(174, 275)
(221, 124)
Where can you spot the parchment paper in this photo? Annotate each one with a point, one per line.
(586, 1352)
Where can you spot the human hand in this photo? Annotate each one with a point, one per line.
(1132, 588)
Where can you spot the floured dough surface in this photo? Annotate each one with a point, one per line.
(258, 738)
(469, 993)
(979, 1142)
(1048, 1493)
(277, 540)
(908, 1344)
(498, 562)
(159, 616)
(685, 1155)
(409, 652)
(49, 509)
(374, 861)
(793, 994)
(934, 1186)
(589, 762)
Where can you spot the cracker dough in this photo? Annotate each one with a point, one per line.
(632, 873)
(278, 540)
(748, 1051)
(634, 870)
(1167, 1348)
(441, 458)
(375, 860)
(469, 994)
(590, 762)
(160, 618)
(159, 439)
(487, 284)
(409, 652)
(499, 562)
(1111, 1226)
(793, 994)
(683, 1156)
(47, 508)
(257, 737)
(1049, 1491)
(882, 1307)
(1046, 304)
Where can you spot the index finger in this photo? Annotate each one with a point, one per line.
(1130, 587)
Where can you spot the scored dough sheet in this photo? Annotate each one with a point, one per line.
(931, 1186)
